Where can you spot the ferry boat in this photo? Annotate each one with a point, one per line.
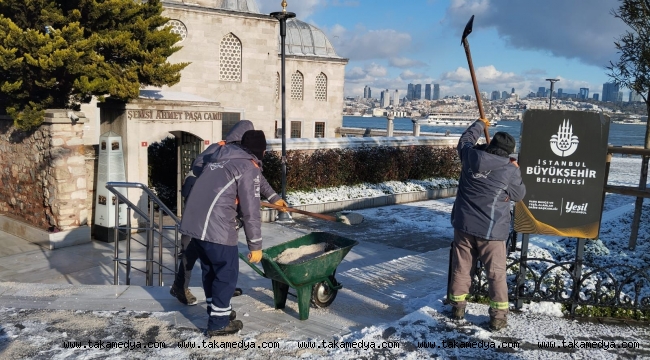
(366, 115)
(451, 119)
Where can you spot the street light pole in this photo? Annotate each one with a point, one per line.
(551, 96)
(282, 17)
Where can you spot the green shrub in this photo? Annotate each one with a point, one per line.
(338, 167)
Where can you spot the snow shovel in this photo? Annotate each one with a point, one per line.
(348, 219)
(465, 43)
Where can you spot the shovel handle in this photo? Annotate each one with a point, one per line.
(282, 208)
(475, 84)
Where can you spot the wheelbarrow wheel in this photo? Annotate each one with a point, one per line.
(322, 295)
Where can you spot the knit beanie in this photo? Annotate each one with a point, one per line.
(503, 141)
(255, 142)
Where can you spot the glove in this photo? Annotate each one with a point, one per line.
(282, 203)
(255, 256)
(485, 121)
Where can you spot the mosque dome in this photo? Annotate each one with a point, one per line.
(305, 39)
(249, 6)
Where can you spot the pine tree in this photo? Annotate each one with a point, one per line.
(632, 70)
(58, 54)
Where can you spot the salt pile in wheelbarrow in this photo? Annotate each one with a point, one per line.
(304, 253)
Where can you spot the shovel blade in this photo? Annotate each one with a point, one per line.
(468, 29)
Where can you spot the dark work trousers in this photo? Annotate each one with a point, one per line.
(492, 253)
(220, 266)
(188, 256)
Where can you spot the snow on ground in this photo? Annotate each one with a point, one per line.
(366, 190)
(424, 332)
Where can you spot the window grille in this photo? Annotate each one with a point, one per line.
(177, 27)
(230, 58)
(295, 129)
(297, 83)
(319, 130)
(321, 87)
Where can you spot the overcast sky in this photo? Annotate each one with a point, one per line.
(514, 44)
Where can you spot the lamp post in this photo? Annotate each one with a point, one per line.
(551, 96)
(282, 17)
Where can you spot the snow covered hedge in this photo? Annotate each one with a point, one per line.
(328, 168)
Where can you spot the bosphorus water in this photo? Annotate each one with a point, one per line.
(619, 134)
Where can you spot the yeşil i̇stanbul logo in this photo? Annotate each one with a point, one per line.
(564, 143)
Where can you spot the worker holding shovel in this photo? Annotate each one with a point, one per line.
(489, 180)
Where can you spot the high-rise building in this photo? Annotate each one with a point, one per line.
(427, 91)
(541, 91)
(410, 92)
(366, 92)
(513, 91)
(559, 93)
(417, 92)
(505, 95)
(584, 93)
(610, 92)
(436, 91)
(495, 95)
(396, 97)
(635, 97)
(595, 97)
(385, 99)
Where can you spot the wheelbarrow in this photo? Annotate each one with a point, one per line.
(313, 279)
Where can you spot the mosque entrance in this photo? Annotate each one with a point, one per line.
(190, 146)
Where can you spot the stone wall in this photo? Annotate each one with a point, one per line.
(45, 177)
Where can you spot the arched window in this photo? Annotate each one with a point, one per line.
(297, 84)
(177, 27)
(230, 58)
(321, 87)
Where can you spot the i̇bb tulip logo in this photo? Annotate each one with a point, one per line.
(564, 143)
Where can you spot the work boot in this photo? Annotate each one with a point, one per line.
(498, 324)
(183, 295)
(233, 327)
(458, 313)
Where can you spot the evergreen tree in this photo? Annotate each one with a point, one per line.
(632, 70)
(57, 54)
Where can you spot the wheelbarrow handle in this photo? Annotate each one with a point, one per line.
(257, 270)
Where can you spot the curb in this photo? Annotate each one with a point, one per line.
(269, 215)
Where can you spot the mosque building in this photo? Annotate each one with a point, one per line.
(234, 57)
(234, 51)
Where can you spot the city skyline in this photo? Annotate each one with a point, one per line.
(513, 43)
(607, 92)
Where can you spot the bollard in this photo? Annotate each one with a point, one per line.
(416, 127)
(389, 125)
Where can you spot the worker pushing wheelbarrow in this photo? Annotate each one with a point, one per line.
(291, 264)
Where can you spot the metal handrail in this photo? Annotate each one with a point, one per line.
(111, 185)
(150, 229)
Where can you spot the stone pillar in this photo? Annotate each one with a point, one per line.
(66, 183)
(416, 127)
(389, 125)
